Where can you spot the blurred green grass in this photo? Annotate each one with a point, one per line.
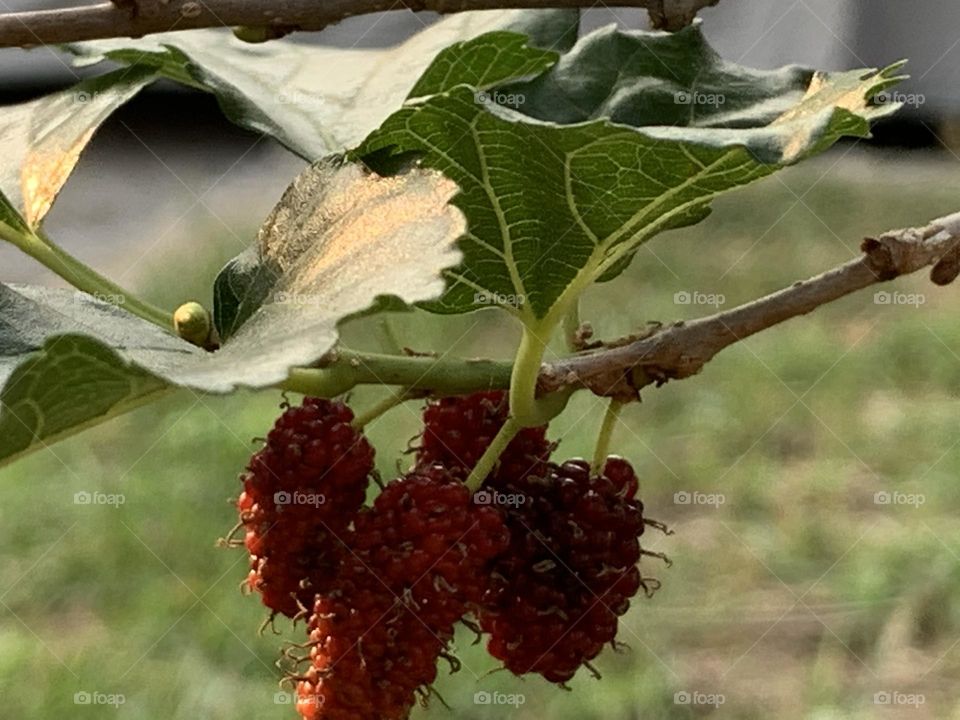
(798, 597)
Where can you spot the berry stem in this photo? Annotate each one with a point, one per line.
(571, 326)
(526, 370)
(489, 458)
(392, 400)
(602, 448)
(83, 277)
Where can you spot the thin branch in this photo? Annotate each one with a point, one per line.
(682, 349)
(136, 18)
(670, 353)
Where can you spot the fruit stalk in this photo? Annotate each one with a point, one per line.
(604, 437)
(489, 458)
(381, 408)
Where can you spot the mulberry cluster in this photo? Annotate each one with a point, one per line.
(544, 560)
(554, 597)
(300, 493)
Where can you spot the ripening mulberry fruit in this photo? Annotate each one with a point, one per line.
(571, 570)
(300, 493)
(419, 561)
(622, 475)
(457, 431)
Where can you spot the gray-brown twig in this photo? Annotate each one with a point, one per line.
(136, 18)
(681, 350)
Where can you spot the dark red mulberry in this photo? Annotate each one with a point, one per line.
(571, 569)
(457, 430)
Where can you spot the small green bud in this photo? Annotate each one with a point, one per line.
(261, 34)
(192, 322)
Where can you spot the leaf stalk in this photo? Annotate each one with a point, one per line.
(82, 276)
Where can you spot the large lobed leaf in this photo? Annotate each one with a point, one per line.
(553, 207)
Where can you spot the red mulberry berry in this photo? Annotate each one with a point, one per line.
(622, 475)
(301, 492)
(419, 561)
(457, 431)
(570, 572)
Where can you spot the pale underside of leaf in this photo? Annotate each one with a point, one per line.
(55, 380)
(846, 91)
(318, 100)
(340, 239)
(42, 140)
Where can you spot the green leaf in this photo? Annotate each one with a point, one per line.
(41, 140)
(488, 61)
(71, 383)
(553, 207)
(55, 381)
(290, 92)
(642, 79)
(340, 240)
(241, 287)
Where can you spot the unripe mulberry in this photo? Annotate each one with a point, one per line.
(457, 430)
(571, 570)
(300, 493)
(419, 560)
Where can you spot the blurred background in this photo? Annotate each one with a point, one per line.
(809, 473)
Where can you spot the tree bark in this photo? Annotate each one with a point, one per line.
(136, 18)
